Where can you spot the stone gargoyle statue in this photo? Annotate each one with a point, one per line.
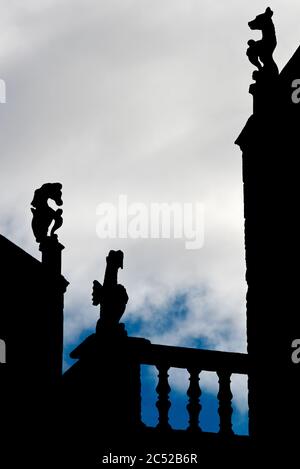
(111, 296)
(43, 214)
(260, 53)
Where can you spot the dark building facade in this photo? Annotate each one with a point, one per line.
(31, 322)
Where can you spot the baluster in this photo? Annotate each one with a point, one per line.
(136, 395)
(163, 403)
(194, 407)
(225, 407)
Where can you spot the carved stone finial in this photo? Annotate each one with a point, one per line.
(111, 296)
(43, 214)
(260, 53)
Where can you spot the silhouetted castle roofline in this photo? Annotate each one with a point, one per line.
(12, 249)
(21, 273)
(292, 69)
(21, 257)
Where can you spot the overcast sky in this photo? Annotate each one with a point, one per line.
(143, 98)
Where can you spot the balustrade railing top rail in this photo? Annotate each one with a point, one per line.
(184, 357)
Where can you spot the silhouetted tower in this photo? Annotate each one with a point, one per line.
(269, 145)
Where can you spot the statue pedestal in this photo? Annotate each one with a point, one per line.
(51, 250)
(110, 333)
(104, 386)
